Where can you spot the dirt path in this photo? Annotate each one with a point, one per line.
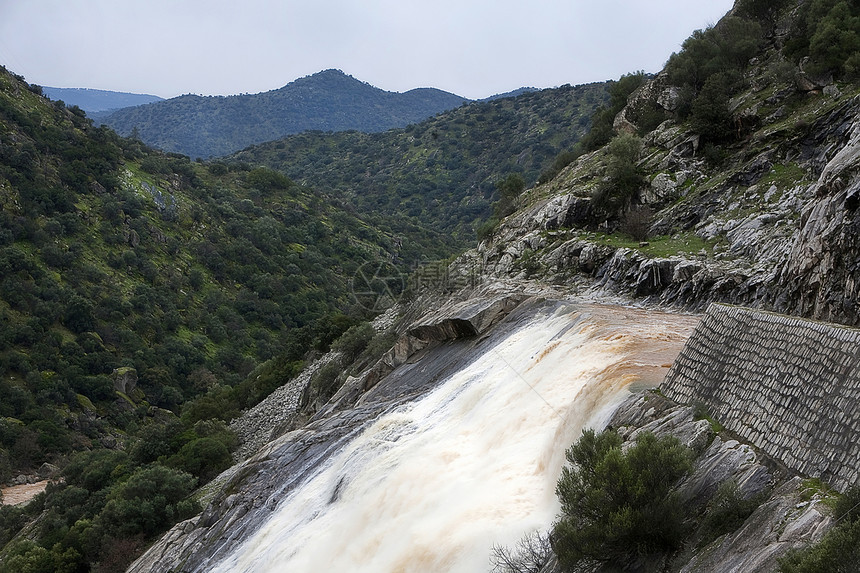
(19, 494)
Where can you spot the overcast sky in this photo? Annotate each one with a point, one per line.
(474, 48)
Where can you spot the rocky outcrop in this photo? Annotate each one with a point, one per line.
(456, 320)
(821, 269)
(279, 411)
(718, 458)
(262, 423)
(789, 516)
(652, 96)
(124, 379)
(788, 519)
(780, 228)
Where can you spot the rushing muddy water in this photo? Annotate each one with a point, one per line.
(433, 485)
(18, 494)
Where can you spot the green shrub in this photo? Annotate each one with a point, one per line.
(378, 345)
(839, 549)
(727, 510)
(325, 382)
(12, 519)
(155, 440)
(709, 68)
(710, 115)
(726, 47)
(218, 403)
(218, 430)
(837, 552)
(828, 31)
(619, 505)
(623, 177)
(267, 180)
(203, 457)
(96, 469)
(847, 506)
(509, 189)
(152, 499)
(601, 131)
(27, 557)
(487, 229)
(352, 342)
(760, 10)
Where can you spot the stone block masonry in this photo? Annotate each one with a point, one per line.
(788, 385)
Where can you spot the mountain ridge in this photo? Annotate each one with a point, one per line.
(443, 170)
(330, 100)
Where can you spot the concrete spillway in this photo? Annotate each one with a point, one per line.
(432, 484)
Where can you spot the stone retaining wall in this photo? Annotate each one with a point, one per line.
(788, 385)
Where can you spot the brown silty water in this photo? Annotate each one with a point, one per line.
(435, 483)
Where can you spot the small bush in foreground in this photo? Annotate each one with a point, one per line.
(530, 555)
(728, 510)
(619, 505)
(837, 552)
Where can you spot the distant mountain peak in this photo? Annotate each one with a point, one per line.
(329, 100)
(92, 100)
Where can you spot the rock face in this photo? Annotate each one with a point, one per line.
(124, 379)
(822, 264)
(783, 522)
(780, 225)
(255, 428)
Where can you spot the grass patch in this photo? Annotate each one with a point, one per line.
(701, 412)
(656, 247)
(784, 176)
(811, 487)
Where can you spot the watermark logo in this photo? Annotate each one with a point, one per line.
(379, 285)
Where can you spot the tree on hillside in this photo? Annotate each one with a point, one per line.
(623, 176)
(601, 131)
(834, 46)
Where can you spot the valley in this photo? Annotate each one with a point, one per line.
(187, 343)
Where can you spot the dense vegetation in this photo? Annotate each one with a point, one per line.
(620, 509)
(824, 41)
(144, 301)
(443, 171)
(765, 55)
(200, 126)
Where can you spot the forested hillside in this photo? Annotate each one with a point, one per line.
(144, 301)
(200, 126)
(444, 170)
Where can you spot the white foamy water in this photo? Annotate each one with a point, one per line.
(434, 485)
